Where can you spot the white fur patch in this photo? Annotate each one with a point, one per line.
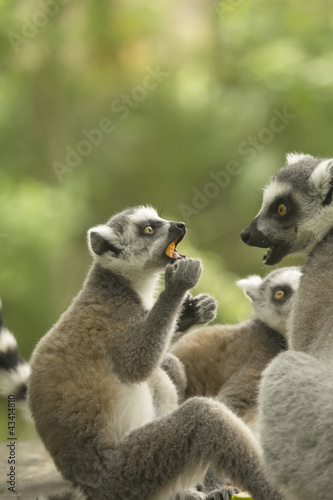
(250, 285)
(136, 408)
(145, 288)
(103, 230)
(11, 380)
(144, 213)
(288, 277)
(293, 158)
(273, 191)
(7, 340)
(321, 177)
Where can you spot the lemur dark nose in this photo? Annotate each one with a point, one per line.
(255, 238)
(246, 235)
(181, 225)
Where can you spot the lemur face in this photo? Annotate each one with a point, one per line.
(296, 211)
(136, 238)
(272, 297)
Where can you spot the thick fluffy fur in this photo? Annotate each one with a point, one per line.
(104, 408)
(296, 392)
(226, 361)
(296, 419)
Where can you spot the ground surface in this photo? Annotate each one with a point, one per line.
(35, 472)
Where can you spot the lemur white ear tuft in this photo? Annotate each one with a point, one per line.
(250, 285)
(293, 158)
(102, 239)
(322, 180)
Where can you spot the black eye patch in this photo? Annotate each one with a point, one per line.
(154, 224)
(291, 209)
(274, 207)
(280, 294)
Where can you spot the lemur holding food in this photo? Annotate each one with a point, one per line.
(295, 397)
(15, 370)
(103, 406)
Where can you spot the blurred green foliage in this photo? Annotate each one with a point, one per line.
(204, 98)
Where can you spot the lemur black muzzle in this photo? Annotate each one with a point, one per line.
(276, 249)
(255, 238)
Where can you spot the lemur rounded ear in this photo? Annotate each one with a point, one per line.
(250, 285)
(293, 158)
(101, 239)
(322, 180)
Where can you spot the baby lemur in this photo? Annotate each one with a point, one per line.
(226, 361)
(106, 411)
(295, 398)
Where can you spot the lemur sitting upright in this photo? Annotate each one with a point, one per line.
(105, 409)
(15, 371)
(295, 399)
(226, 361)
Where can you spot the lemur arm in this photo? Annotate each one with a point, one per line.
(139, 351)
(197, 310)
(177, 373)
(240, 392)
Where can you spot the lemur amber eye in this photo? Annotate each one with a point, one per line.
(148, 230)
(282, 210)
(279, 294)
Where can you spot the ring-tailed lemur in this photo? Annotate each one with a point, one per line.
(103, 406)
(14, 370)
(226, 361)
(295, 400)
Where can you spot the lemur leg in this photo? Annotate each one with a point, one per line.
(171, 454)
(295, 425)
(240, 392)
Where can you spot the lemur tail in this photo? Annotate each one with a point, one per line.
(73, 494)
(14, 370)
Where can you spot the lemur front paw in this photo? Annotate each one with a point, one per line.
(182, 275)
(223, 493)
(197, 311)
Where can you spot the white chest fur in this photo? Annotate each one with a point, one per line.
(135, 408)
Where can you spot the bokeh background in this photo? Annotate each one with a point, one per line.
(188, 105)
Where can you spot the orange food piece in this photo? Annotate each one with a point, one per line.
(171, 248)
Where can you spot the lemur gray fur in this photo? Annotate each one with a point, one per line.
(105, 409)
(226, 361)
(295, 398)
(14, 370)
